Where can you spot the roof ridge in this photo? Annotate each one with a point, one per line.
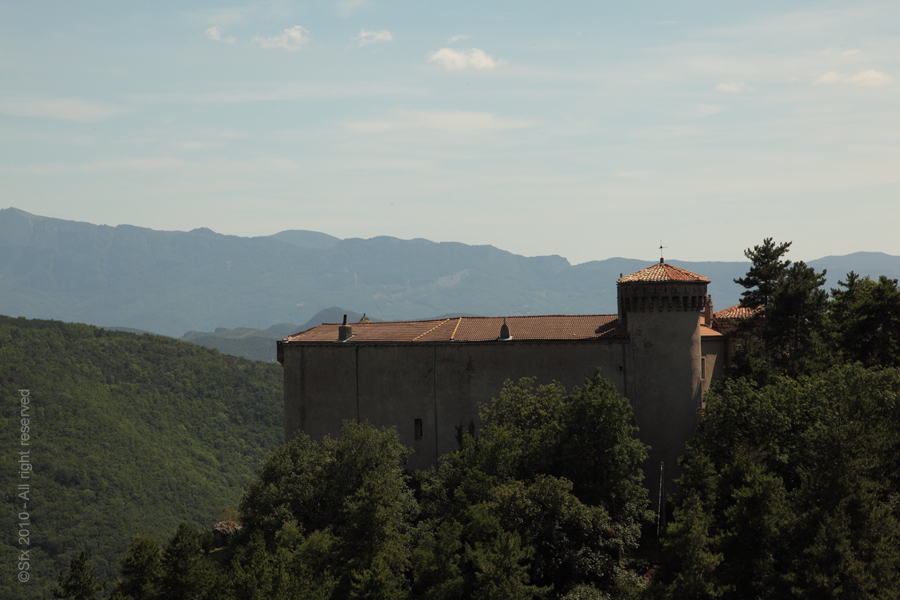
(465, 329)
(530, 316)
(442, 321)
(458, 321)
(430, 330)
(379, 322)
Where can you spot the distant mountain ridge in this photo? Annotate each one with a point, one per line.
(174, 282)
(259, 344)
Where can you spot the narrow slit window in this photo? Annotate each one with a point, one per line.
(703, 368)
(417, 428)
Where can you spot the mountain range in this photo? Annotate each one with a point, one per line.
(173, 282)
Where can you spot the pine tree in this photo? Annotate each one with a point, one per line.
(865, 317)
(767, 269)
(794, 332)
(79, 582)
(790, 335)
(141, 569)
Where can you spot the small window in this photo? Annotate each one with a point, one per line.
(703, 368)
(417, 426)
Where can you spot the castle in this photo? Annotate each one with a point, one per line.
(428, 378)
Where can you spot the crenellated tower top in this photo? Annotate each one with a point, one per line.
(661, 287)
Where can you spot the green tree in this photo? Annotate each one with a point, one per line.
(141, 569)
(256, 573)
(789, 336)
(792, 489)
(187, 571)
(498, 559)
(350, 499)
(865, 317)
(795, 322)
(767, 268)
(555, 479)
(691, 546)
(78, 581)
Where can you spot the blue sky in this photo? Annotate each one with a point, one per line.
(585, 129)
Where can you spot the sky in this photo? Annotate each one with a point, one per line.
(585, 129)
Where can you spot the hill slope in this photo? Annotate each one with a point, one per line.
(130, 435)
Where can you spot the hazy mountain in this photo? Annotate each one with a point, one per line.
(173, 282)
(259, 344)
(306, 239)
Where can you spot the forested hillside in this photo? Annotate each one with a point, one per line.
(130, 434)
(546, 502)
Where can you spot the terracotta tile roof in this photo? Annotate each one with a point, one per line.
(707, 332)
(662, 272)
(737, 312)
(474, 329)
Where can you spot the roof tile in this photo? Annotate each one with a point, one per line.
(737, 312)
(474, 329)
(662, 272)
(707, 332)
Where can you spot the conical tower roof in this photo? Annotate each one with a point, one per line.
(663, 273)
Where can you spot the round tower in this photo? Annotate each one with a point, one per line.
(661, 307)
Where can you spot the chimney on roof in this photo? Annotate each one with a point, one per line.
(345, 332)
(661, 260)
(708, 312)
(504, 331)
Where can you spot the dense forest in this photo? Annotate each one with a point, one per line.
(129, 435)
(547, 501)
(792, 483)
(791, 486)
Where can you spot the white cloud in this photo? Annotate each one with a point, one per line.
(457, 38)
(350, 7)
(293, 38)
(69, 109)
(850, 52)
(453, 60)
(866, 78)
(215, 34)
(829, 77)
(446, 120)
(733, 87)
(702, 110)
(870, 77)
(370, 37)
